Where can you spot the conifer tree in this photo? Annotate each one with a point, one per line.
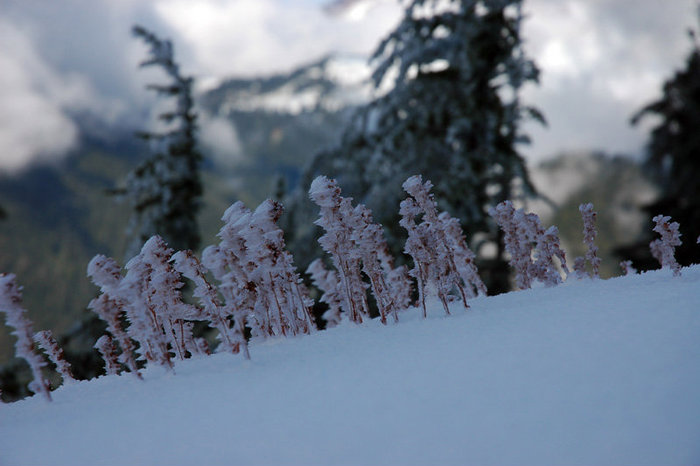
(164, 190)
(452, 114)
(674, 159)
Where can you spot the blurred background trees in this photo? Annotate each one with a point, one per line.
(673, 160)
(164, 190)
(448, 80)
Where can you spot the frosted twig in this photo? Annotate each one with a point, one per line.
(55, 353)
(11, 306)
(663, 248)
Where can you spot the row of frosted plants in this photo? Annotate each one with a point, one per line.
(247, 287)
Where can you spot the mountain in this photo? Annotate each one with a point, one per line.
(59, 216)
(282, 120)
(588, 372)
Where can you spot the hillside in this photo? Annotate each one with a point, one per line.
(590, 372)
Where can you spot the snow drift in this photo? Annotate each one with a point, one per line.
(589, 372)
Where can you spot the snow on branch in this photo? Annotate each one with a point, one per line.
(11, 306)
(663, 249)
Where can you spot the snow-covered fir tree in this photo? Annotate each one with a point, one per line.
(164, 190)
(454, 70)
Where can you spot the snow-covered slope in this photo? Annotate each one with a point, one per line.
(590, 372)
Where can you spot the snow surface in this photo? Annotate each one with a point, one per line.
(589, 372)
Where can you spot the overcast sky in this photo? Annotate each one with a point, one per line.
(601, 59)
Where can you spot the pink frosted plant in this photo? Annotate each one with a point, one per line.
(357, 244)
(145, 325)
(280, 287)
(589, 234)
(109, 306)
(46, 342)
(228, 262)
(442, 260)
(627, 268)
(336, 217)
(525, 238)
(11, 306)
(230, 339)
(109, 354)
(327, 281)
(663, 248)
(163, 295)
(377, 265)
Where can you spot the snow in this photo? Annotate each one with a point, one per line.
(588, 372)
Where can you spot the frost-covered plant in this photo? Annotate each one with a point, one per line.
(627, 268)
(377, 264)
(663, 248)
(337, 218)
(462, 255)
(46, 342)
(230, 339)
(547, 248)
(109, 354)
(589, 234)
(327, 281)
(442, 260)
(109, 305)
(525, 239)
(11, 306)
(258, 279)
(356, 244)
(228, 262)
(396, 278)
(163, 296)
(144, 322)
(283, 301)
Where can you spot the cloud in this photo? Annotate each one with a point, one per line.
(219, 138)
(58, 61)
(250, 37)
(601, 61)
(33, 125)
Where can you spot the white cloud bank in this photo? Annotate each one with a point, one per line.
(32, 122)
(601, 60)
